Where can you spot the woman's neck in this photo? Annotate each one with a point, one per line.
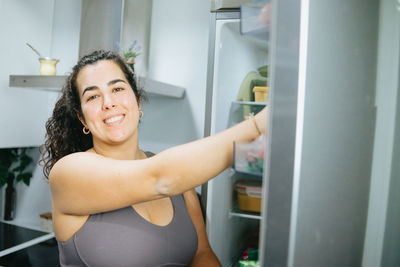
(127, 150)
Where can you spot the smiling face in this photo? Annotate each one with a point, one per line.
(108, 103)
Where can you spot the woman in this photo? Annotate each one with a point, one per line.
(113, 204)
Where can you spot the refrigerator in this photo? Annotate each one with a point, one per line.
(324, 59)
(234, 60)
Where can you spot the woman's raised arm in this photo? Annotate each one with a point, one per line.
(86, 183)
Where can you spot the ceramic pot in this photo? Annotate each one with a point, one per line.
(48, 66)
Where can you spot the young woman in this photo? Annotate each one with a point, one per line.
(114, 204)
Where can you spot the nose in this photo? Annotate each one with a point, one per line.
(108, 102)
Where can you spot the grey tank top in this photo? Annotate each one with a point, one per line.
(124, 238)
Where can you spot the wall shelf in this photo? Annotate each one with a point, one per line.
(54, 83)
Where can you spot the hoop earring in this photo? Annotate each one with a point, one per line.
(85, 131)
(140, 114)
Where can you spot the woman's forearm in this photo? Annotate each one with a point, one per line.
(189, 165)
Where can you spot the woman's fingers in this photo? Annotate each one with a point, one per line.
(261, 119)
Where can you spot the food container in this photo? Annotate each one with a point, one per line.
(260, 93)
(249, 157)
(249, 195)
(48, 66)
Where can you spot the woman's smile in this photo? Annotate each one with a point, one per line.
(114, 120)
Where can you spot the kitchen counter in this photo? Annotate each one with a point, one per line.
(20, 246)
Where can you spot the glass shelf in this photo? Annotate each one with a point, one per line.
(251, 103)
(258, 176)
(236, 212)
(240, 109)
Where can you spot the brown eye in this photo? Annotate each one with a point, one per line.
(92, 97)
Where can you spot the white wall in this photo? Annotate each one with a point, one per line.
(178, 55)
(136, 25)
(21, 109)
(52, 27)
(65, 34)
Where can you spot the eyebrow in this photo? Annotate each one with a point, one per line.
(90, 88)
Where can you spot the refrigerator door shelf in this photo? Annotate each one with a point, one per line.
(255, 19)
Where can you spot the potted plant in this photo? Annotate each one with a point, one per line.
(13, 169)
(131, 53)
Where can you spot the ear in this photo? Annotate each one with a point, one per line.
(81, 119)
(139, 102)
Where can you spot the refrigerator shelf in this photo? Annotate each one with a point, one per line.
(239, 110)
(258, 176)
(251, 103)
(235, 212)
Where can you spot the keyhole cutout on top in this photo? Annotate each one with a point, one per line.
(159, 212)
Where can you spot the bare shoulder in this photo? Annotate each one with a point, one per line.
(67, 165)
(70, 161)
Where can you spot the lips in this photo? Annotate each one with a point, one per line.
(114, 119)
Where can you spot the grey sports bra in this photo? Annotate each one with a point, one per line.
(124, 238)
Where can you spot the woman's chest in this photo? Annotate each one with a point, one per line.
(159, 212)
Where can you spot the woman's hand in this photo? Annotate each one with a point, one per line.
(261, 119)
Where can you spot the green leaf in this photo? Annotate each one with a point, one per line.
(21, 159)
(18, 168)
(26, 176)
(25, 160)
(27, 181)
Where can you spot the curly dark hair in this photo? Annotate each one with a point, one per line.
(63, 129)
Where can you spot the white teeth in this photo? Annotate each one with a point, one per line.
(113, 119)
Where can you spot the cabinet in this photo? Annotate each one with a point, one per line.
(232, 57)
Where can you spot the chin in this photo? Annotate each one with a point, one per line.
(119, 138)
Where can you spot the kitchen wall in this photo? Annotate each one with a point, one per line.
(52, 27)
(178, 55)
(23, 109)
(136, 26)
